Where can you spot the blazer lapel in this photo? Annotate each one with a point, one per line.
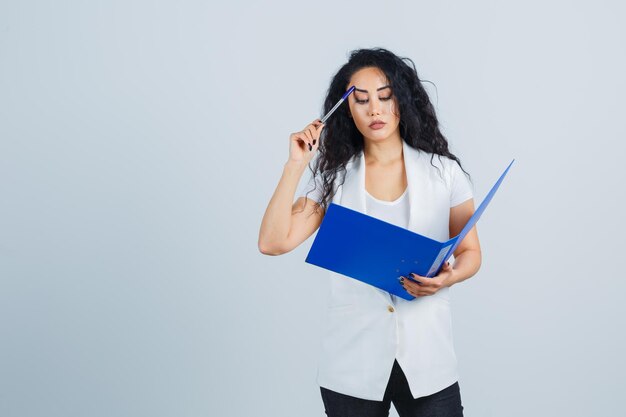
(415, 175)
(353, 189)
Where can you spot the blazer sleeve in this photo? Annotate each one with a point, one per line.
(461, 189)
(310, 188)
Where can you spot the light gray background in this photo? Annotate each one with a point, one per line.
(141, 142)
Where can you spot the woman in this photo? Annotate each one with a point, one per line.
(385, 156)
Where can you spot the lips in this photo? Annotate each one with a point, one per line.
(377, 124)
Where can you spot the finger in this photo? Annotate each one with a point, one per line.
(315, 136)
(318, 130)
(408, 288)
(432, 285)
(416, 290)
(312, 126)
(318, 125)
(301, 138)
(310, 133)
(418, 278)
(314, 139)
(303, 142)
(425, 282)
(409, 285)
(310, 139)
(415, 293)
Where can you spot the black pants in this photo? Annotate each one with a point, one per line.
(445, 403)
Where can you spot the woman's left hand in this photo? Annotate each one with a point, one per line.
(420, 285)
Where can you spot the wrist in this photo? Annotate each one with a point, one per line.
(452, 278)
(292, 165)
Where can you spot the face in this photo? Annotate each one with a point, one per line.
(373, 101)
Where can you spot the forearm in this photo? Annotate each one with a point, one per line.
(277, 218)
(465, 266)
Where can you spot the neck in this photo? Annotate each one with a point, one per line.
(383, 152)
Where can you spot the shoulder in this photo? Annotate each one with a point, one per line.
(441, 169)
(435, 162)
(353, 161)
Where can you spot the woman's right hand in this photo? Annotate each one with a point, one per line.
(304, 144)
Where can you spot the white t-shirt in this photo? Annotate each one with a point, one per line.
(395, 212)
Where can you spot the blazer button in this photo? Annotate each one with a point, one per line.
(391, 310)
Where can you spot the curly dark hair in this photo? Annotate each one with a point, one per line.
(341, 140)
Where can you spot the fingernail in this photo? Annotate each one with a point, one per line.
(402, 279)
(310, 147)
(314, 141)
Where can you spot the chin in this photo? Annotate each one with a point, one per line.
(381, 134)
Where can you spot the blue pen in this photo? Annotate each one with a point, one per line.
(343, 98)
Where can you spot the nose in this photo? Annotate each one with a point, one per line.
(374, 107)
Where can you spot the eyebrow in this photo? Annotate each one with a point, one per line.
(378, 89)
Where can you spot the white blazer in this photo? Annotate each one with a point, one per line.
(365, 329)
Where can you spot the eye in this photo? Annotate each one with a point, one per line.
(360, 101)
(385, 98)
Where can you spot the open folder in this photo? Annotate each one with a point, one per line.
(378, 253)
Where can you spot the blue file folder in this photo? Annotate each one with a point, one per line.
(376, 252)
